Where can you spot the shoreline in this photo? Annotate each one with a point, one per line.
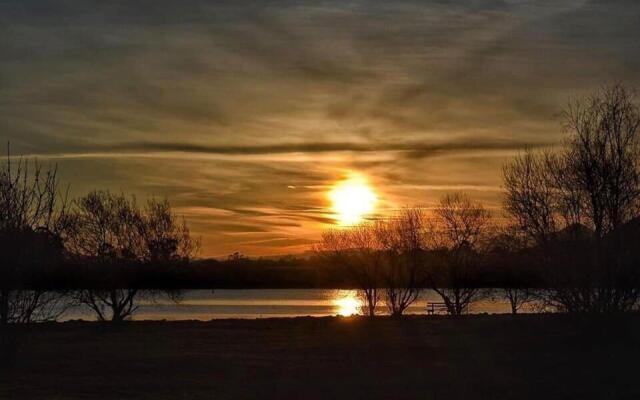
(405, 317)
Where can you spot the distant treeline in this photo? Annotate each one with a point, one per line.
(287, 272)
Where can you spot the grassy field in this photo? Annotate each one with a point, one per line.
(474, 357)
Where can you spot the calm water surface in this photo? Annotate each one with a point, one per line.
(205, 305)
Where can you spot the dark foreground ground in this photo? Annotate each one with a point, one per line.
(475, 357)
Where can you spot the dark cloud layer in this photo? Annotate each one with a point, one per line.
(244, 113)
(412, 150)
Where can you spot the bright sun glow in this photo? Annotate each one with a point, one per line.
(347, 306)
(352, 199)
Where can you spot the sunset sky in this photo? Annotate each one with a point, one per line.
(246, 115)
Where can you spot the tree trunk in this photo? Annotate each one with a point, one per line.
(513, 300)
(4, 306)
(117, 318)
(116, 308)
(371, 304)
(458, 303)
(371, 309)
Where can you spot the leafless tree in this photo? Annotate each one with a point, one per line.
(530, 196)
(590, 184)
(167, 238)
(381, 257)
(33, 305)
(32, 218)
(357, 251)
(513, 276)
(600, 161)
(112, 233)
(403, 239)
(458, 227)
(518, 297)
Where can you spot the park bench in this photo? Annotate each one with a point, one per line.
(434, 306)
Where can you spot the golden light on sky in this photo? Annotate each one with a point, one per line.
(241, 115)
(352, 200)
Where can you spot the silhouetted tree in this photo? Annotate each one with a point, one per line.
(358, 253)
(403, 239)
(530, 196)
(457, 229)
(512, 276)
(115, 236)
(599, 166)
(572, 202)
(518, 297)
(383, 254)
(32, 218)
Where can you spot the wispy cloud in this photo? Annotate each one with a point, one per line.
(226, 105)
(412, 150)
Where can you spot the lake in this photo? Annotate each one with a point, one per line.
(205, 305)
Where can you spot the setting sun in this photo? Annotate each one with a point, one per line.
(352, 199)
(348, 305)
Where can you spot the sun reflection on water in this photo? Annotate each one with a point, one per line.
(347, 304)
